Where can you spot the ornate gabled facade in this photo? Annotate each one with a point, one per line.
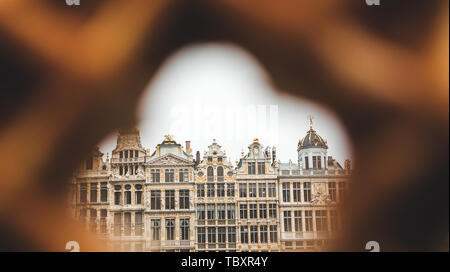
(215, 201)
(166, 201)
(257, 200)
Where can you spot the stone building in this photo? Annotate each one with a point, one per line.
(215, 201)
(257, 200)
(166, 201)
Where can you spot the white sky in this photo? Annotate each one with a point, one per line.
(220, 91)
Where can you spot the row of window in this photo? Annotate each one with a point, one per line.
(263, 189)
(293, 220)
(255, 211)
(210, 173)
(170, 224)
(93, 216)
(127, 194)
(296, 191)
(128, 170)
(216, 211)
(169, 175)
(93, 196)
(128, 153)
(169, 199)
(316, 162)
(123, 226)
(263, 234)
(212, 192)
(252, 168)
(213, 235)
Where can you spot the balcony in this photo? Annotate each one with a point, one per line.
(127, 160)
(176, 244)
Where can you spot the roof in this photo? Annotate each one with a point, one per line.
(312, 139)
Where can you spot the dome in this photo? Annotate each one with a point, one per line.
(312, 139)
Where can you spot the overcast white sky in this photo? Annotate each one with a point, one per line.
(220, 91)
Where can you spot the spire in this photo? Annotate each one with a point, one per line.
(310, 118)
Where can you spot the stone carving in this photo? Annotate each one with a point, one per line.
(320, 195)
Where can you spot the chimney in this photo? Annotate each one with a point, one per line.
(197, 157)
(188, 147)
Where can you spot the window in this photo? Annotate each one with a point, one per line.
(92, 219)
(231, 234)
(131, 153)
(121, 154)
(306, 162)
(103, 215)
(253, 234)
(307, 191)
(252, 189)
(183, 175)
(220, 190)
(332, 190)
(210, 190)
(298, 221)
(200, 190)
(221, 236)
(251, 168)
(219, 159)
(201, 211)
(138, 196)
(287, 221)
(89, 163)
(211, 235)
(286, 192)
(297, 191)
(341, 190)
(169, 175)
(155, 200)
(242, 190)
(211, 211)
(127, 224)
(243, 211)
(83, 214)
(334, 220)
(83, 192)
(261, 168)
(272, 211)
(170, 228)
(253, 211)
(272, 190)
(136, 153)
(210, 173)
(103, 192)
(184, 199)
(156, 229)
(118, 198)
(273, 234)
(184, 228)
(127, 197)
(155, 176)
(201, 235)
(231, 211)
(117, 224)
(262, 189)
(121, 170)
(93, 192)
(209, 159)
(126, 154)
(138, 224)
(220, 173)
(321, 220)
(170, 199)
(221, 212)
(263, 233)
(244, 234)
(308, 221)
(230, 190)
(317, 163)
(262, 210)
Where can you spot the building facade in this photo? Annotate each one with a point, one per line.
(166, 200)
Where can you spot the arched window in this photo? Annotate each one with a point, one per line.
(210, 173)
(220, 173)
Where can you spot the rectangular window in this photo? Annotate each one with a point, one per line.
(118, 198)
(263, 233)
(211, 235)
(230, 190)
(184, 228)
(272, 210)
(104, 192)
(170, 199)
(253, 211)
(211, 213)
(83, 193)
(261, 189)
(93, 222)
(287, 221)
(220, 190)
(253, 234)
(242, 190)
(127, 224)
(103, 215)
(183, 175)
(341, 190)
(244, 234)
(210, 190)
(262, 211)
(138, 197)
(321, 220)
(138, 224)
(261, 168)
(251, 168)
(231, 234)
(170, 228)
(273, 234)
(307, 191)
(334, 220)
(272, 190)
(308, 221)
(117, 224)
(155, 176)
(296, 191)
(306, 162)
(332, 190)
(201, 211)
(286, 192)
(317, 163)
(169, 175)
(221, 212)
(200, 190)
(243, 211)
(252, 189)
(93, 192)
(201, 235)
(231, 211)
(155, 200)
(127, 197)
(156, 229)
(222, 237)
(298, 221)
(184, 199)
